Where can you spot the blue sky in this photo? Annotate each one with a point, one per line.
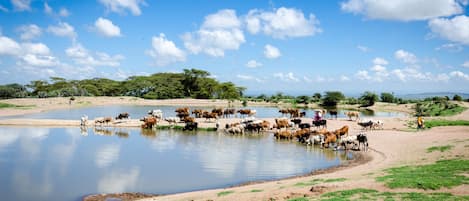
(401, 46)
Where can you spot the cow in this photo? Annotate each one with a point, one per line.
(234, 128)
(284, 112)
(362, 140)
(182, 110)
(255, 126)
(197, 113)
(296, 121)
(102, 120)
(124, 115)
(351, 114)
(218, 111)
(342, 131)
(315, 139)
(378, 124)
(366, 124)
(149, 122)
(190, 126)
(188, 119)
(84, 120)
(333, 114)
(282, 123)
(171, 120)
(304, 125)
(183, 115)
(156, 113)
(228, 112)
(349, 140)
(320, 123)
(329, 137)
(285, 134)
(244, 112)
(209, 115)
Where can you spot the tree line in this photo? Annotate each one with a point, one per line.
(193, 83)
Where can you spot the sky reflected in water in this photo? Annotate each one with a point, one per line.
(67, 163)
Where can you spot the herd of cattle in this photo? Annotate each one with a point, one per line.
(290, 126)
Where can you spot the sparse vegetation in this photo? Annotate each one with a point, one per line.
(318, 181)
(256, 190)
(439, 148)
(442, 122)
(438, 106)
(299, 199)
(445, 173)
(368, 99)
(223, 193)
(7, 105)
(370, 194)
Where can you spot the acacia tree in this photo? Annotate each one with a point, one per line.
(368, 99)
(332, 98)
(387, 97)
(189, 81)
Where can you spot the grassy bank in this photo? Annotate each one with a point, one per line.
(7, 105)
(442, 122)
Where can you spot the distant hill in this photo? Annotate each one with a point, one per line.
(433, 94)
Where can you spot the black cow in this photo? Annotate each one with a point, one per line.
(362, 139)
(320, 123)
(190, 126)
(305, 125)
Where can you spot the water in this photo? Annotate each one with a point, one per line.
(41, 163)
(140, 111)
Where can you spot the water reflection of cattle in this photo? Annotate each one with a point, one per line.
(151, 133)
(102, 131)
(122, 134)
(123, 115)
(190, 126)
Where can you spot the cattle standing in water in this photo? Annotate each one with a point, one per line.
(351, 114)
(84, 120)
(190, 126)
(149, 122)
(362, 140)
(229, 112)
(123, 115)
(197, 113)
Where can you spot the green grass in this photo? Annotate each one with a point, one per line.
(256, 190)
(223, 193)
(318, 181)
(7, 105)
(299, 199)
(442, 122)
(439, 148)
(444, 173)
(370, 194)
(438, 108)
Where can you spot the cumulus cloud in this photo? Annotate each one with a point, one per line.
(119, 181)
(282, 23)
(120, 6)
(459, 74)
(219, 32)
(21, 5)
(380, 61)
(363, 75)
(249, 77)
(63, 12)
(63, 29)
(344, 78)
(288, 77)
(29, 32)
(271, 52)
(9, 47)
(106, 155)
(450, 47)
(405, 57)
(403, 10)
(465, 64)
(106, 28)
(84, 57)
(253, 64)
(455, 29)
(165, 51)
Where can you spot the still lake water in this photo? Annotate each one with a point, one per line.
(40, 163)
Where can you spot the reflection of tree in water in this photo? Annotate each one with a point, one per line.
(149, 133)
(102, 131)
(122, 133)
(368, 112)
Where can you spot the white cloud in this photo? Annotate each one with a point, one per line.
(406, 57)
(35, 48)
(3, 9)
(82, 56)
(253, 64)
(282, 23)
(380, 61)
(271, 52)
(344, 78)
(403, 10)
(288, 77)
(106, 28)
(63, 29)
(119, 6)
(106, 155)
(363, 75)
(118, 181)
(411, 74)
(450, 47)
(21, 5)
(465, 64)
(220, 31)
(455, 29)
(249, 77)
(363, 48)
(39, 60)
(63, 12)
(29, 32)
(165, 51)
(459, 74)
(9, 47)
(443, 77)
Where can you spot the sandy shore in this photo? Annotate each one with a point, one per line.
(390, 147)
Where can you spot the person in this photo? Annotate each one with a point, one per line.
(317, 115)
(420, 122)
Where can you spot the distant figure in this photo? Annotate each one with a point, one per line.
(317, 116)
(420, 122)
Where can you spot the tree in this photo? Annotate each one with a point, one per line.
(332, 98)
(316, 97)
(190, 77)
(387, 97)
(457, 97)
(368, 99)
(302, 99)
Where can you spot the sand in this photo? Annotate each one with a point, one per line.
(391, 147)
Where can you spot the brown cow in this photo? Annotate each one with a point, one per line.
(351, 114)
(282, 123)
(149, 122)
(329, 137)
(198, 113)
(218, 111)
(182, 110)
(209, 115)
(228, 112)
(286, 134)
(341, 132)
(188, 119)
